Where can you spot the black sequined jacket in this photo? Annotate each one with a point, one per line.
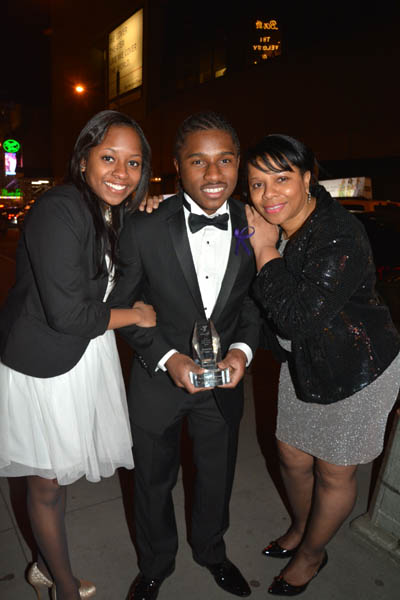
(321, 295)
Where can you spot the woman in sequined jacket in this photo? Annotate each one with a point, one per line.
(340, 378)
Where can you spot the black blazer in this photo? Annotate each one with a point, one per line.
(321, 295)
(55, 306)
(157, 260)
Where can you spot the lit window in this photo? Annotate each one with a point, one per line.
(220, 72)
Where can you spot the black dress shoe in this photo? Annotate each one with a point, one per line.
(280, 587)
(229, 578)
(276, 551)
(144, 589)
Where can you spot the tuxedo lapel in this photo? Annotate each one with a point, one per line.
(234, 262)
(180, 242)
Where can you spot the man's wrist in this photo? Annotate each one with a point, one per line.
(247, 351)
(164, 359)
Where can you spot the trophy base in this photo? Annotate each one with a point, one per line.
(210, 378)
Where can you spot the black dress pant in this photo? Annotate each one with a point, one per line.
(157, 461)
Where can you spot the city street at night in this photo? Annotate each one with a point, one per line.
(246, 127)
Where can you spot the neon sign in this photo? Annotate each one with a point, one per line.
(271, 25)
(7, 194)
(10, 163)
(266, 40)
(11, 145)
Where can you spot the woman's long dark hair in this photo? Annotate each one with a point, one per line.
(92, 135)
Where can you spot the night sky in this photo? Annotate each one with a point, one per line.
(25, 43)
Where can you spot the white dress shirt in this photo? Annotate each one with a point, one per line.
(210, 249)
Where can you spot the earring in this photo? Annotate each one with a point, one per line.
(309, 197)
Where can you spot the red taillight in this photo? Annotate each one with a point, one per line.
(384, 271)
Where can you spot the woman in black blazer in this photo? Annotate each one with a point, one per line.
(340, 378)
(63, 408)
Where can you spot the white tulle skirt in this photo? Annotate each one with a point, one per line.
(69, 426)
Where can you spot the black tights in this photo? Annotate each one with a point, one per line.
(321, 496)
(46, 507)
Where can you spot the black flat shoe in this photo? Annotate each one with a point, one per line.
(280, 587)
(229, 578)
(144, 589)
(274, 550)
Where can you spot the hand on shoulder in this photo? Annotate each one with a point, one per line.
(150, 203)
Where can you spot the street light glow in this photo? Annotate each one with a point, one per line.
(79, 88)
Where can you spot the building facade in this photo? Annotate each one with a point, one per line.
(326, 77)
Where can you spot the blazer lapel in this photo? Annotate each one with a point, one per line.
(234, 262)
(180, 242)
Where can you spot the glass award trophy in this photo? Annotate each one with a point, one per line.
(207, 353)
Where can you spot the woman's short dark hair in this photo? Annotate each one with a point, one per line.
(204, 121)
(277, 152)
(92, 135)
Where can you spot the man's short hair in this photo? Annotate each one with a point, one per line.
(204, 121)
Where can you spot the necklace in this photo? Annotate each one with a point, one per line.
(108, 215)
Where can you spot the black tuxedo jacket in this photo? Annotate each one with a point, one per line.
(55, 306)
(157, 261)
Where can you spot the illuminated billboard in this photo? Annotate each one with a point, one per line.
(10, 163)
(125, 53)
(349, 187)
(266, 41)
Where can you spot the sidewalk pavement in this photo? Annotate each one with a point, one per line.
(99, 522)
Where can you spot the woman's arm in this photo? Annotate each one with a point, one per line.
(140, 314)
(301, 300)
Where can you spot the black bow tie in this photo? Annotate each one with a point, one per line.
(197, 222)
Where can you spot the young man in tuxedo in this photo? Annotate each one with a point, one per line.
(186, 261)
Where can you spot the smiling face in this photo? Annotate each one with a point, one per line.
(208, 167)
(114, 167)
(281, 198)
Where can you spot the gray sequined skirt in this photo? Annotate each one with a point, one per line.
(347, 432)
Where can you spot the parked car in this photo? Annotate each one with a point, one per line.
(363, 204)
(12, 215)
(383, 229)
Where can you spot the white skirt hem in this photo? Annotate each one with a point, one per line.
(69, 426)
